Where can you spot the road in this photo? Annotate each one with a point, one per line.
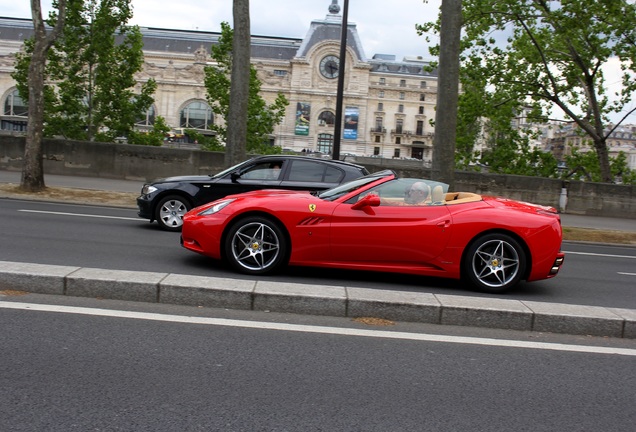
(88, 365)
(115, 238)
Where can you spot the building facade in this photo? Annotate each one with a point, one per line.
(387, 103)
(566, 137)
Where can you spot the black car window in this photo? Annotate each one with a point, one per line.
(309, 171)
(263, 171)
(333, 175)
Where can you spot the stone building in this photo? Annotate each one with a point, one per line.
(568, 136)
(387, 104)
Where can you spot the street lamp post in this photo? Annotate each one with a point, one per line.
(339, 93)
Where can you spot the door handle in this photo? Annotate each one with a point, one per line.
(444, 224)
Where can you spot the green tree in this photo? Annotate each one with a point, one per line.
(92, 67)
(261, 117)
(551, 55)
(583, 165)
(153, 137)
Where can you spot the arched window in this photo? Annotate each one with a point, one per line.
(15, 113)
(196, 115)
(148, 119)
(326, 118)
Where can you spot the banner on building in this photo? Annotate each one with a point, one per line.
(350, 130)
(303, 110)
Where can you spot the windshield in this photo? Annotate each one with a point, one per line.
(228, 170)
(338, 191)
(408, 191)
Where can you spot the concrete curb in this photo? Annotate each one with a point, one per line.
(318, 300)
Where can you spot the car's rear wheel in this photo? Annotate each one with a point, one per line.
(170, 212)
(255, 245)
(494, 263)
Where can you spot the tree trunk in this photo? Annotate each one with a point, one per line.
(32, 168)
(443, 167)
(235, 150)
(600, 145)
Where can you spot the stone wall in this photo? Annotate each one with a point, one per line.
(143, 163)
(117, 161)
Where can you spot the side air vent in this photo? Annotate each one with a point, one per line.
(311, 221)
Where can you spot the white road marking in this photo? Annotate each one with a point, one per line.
(627, 274)
(600, 255)
(318, 329)
(79, 214)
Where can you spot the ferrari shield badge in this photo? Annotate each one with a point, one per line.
(312, 207)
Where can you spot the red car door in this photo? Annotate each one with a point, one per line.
(391, 234)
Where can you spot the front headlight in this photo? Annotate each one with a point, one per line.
(148, 189)
(216, 207)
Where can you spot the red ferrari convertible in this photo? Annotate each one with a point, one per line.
(382, 223)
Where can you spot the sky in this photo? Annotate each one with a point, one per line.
(384, 27)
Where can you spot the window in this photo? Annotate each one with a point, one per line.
(147, 119)
(264, 171)
(402, 83)
(396, 153)
(398, 140)
(421, 111)
(401, 95)
(378, 124)
(380, 106)
(400, 108)
(422, 84)
(280, 72)
(422, 97)
(381, 93)
(382, 81)
(377, 138)
(326, 118)
(325, 142)
(15, 106)
(419, 129)
(314, 172)
(196, 115)
(376, 151)
(399, 124)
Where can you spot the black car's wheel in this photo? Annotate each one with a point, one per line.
(170, 212)
(255, 245)
(494, 263)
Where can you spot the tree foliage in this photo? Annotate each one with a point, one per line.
(91, 73)
(583, 165)
(550, 55)
(261, 117)
(153, 137)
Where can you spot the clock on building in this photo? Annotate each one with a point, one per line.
(330, 66)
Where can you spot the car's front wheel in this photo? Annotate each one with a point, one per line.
(255, 245)
(494, 263)
(170, 212)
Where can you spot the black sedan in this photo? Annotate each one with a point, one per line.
(167, 200)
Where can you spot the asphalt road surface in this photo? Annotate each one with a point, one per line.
(115, 238)
(72, 364)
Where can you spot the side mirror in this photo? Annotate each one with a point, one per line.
(235, 176)
(370, 200)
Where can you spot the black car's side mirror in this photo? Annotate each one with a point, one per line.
(371, 200)
(235, 176)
